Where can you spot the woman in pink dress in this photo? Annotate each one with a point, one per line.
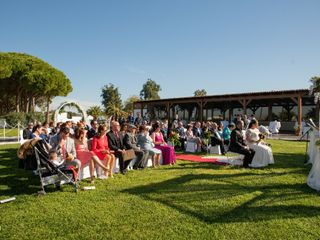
(168, 154)
(83, 153)
(101, 149)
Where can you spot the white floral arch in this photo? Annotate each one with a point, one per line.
(56, 113)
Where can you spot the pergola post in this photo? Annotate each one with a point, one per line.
(270, 112)
(141, 110)
(230, 114)
(300, 111)
(168, 111)
(245, 103)
(244, 106)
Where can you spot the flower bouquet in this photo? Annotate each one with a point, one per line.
(174, 139)
(207, 139)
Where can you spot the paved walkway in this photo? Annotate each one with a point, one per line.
(290, 137)
(8, 140)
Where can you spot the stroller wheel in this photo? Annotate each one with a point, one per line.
(76, 187)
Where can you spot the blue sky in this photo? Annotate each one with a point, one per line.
(222, 46)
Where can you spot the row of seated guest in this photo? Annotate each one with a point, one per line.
(256, 152)
(127, 133)
(69, 151)
(97, 154)
(263, 153)
(130, 141)
(221, 136)
(238, 144)
(114, 140)
(195, 133)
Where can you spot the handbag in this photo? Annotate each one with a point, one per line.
(128, 155)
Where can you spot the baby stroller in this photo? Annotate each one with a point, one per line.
(34, 155)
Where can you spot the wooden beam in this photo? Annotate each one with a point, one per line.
(295, 100)
(254, 109)
(249, 101)
(230, 114)
(244, 105)
(168, 111)
(300, 112)
(270, 112)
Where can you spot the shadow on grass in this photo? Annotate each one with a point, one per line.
(223, 198)
(15, 181)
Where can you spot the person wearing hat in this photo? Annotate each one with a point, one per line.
(63, 144)
(130, 142)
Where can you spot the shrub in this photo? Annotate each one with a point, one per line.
(14, 118)
(36, 117)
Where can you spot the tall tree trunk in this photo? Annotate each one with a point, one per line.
(18, 101)
(27, 102)
(48, 113)
(19, 98)
(32, 103)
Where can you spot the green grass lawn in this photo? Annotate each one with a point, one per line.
(185, 201)
(9, 132)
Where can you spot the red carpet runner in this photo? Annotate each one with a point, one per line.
(197, 158)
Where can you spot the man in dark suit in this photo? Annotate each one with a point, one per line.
(238, 145)
(138, 121)
(131, 118)
(93, 130)
(28, 131)
(115, 141)
(197, 130)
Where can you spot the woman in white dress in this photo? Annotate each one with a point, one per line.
(263, 155)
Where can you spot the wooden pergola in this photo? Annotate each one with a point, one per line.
(288, 99)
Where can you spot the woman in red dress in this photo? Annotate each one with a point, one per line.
(83, 153)
(101, 149)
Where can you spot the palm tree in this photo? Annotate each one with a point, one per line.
(94, 111)
(115, 111)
